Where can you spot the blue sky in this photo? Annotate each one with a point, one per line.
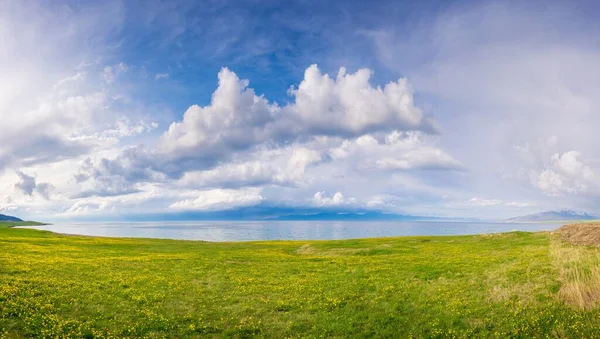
(445, 108)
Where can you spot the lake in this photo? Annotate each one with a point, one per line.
(287, 230)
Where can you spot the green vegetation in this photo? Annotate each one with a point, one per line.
(513, 284)
(5, 224)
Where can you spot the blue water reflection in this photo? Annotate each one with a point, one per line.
(287, 230)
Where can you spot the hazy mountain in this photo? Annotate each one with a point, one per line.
(8, 218)
(554, 216)
(267, 212)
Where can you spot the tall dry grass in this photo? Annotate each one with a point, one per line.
(579, 273)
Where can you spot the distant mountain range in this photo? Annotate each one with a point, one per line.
(565, 215)
(8, 218)
(265, 212)
(352, 215)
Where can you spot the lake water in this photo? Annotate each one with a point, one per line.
(287, 230)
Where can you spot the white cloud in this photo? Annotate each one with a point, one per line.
(480, 202)
(72, 79)
(27, 183)
(284, 166)
(50, 107)
(237, 119)
(379, 202)
(242, 139)
(124, 128)
(424, 157)
(7, 204)
(252, 173)
(159, 76)
(397, 151)
(483, 202)
(525, 75)
(220, 199)
(28, 186)
(112, 72)
(57, 106)
(349, 106)
(553, 172)
(566, 174)
(518, 204)
(143, 201)
(301, 158)
(321, 199)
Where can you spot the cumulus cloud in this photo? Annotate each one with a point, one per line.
(566, 174)
(252, 173)
(109, 178)
(321, 199)
(554, 172)
(350, 106)
(237, 119)
(242, 139)
(284, 167)
(397, 151)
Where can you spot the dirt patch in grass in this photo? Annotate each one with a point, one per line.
(581, 233)
(503, 288)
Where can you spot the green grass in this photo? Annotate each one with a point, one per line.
(5, 224)
(492, 285)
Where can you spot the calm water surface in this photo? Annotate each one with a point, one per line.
(287, 230)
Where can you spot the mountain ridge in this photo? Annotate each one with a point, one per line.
(562, 215)
(287, 213)
(4, 217)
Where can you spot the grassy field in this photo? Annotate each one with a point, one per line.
(513, 284)
(19, 223)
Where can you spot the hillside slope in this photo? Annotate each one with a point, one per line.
(553, 216)
(8, 218)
